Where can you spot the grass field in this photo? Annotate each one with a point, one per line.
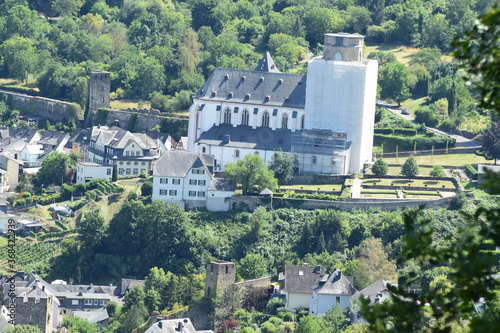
(447, 159)
(378, 195)
(421, 195)
(413, 104)
(128, 103)
(396, 170)
(403, 54)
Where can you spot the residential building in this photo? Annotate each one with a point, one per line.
(481, 172)
(12, 168)
(133, 153)
(53, 141)
(377, 293)
(86, 171)
(325, 117)
(182, 325)
(37, 306)
(129, 284)
(31, 155)
(4, 221)
(299, 283)
(331, 289)
(187, 179)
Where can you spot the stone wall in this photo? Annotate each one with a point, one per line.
(51, 109)
(260, 282)
(146, 119)
(251, 203)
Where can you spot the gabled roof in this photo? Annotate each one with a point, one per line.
(52, 138)
(303, 278)
(371, 291)
(119, 138)
(129, 284)
(182, 325)
(254, 88)
(176, 163)
(266, 64)
(79, 136)
(95, 316)
(336, 284)
(247, 137)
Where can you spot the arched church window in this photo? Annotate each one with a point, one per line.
(227, 116)
(265, 119)
(337, 57)
(284, 121)
(244, 117)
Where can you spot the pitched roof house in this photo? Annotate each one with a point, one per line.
(331, 289)
(188, 179)
(181, 325)
(299, 284)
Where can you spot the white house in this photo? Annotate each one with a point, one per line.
(187, 178)
(325, 117)
(86, 171)
(299, 283)
(331, 289)
(181, 325)
(377, 293)
(4, 221)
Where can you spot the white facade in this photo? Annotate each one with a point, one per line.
(4, 221)
(192, 187)
(298, 300)
(86, 171)
(340, 96)
(320, 303)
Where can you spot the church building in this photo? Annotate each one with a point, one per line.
(325, 117)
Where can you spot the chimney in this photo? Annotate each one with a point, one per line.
(160, 324)
(43, 288)
(179, 327)
(227, 138)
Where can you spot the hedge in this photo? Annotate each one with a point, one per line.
(57, 234)
(471, 171)
(61, 225)
(396, 131)
(407, 143)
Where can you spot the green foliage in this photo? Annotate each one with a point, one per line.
(91, 230)
(394, 82)
(308, 324)
(410, 167)
(252, 266)
(22, 329)
(251, 173)
(283, 164)
(147, 189)
(79, 325)
(427, 116)
(437, 171)
(101, 117)
(57, 168)
(491, 141)
(380, 167)
(471, 171)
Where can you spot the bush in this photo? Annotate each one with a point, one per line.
(405, 131)
(448, 125)
(61, 225)
(427, 116)
(403, 143)
(471, 171)
(160, 102)
(26, 195)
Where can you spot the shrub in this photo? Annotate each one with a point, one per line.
(427, 116)
(437, 171)
(61, 225)
(26, 195)
(471, 171)
(405, 131)
(410, 167)
(380, 167)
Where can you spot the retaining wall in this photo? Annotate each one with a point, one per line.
(52, 109)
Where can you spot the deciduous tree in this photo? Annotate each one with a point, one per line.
(395, 83)
(491, 141)
(283, 164)
(251, 173)
(437, 171)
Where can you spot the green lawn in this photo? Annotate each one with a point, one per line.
(403, 54)
(446, 159)
(378, 195)
(421, 194)
(412, 183)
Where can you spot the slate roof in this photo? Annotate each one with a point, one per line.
(95, 316)
(254, 87)
(176, 163)
(220, 184)
(182, 325)
(246, 137)
(267, 64)
(119, 138)
(336, 284)
(129, 284)
(371, 291)
(52, 138)
(305, 282)
(22, 133)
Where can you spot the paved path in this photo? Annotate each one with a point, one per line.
(356, 188)
(461, 141)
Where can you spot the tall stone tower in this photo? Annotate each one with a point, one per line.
(340, 95)
(220, 275)
(98, 90)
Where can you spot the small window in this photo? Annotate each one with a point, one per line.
(136, 163)
(37, 300)
(96, 302)
(314, 159)
(108, 172)
(204, 150)
(143, 163)
(173, 192)
(192, 193)
(121, 163)
(163, 180)
(301, 273)
(201, 182)
(127, 171)
(136, 171)
(201, 194)
(75, 302)
(337, 299)
(192, 182)
(102, 302)
(265, 119)
(256, 153)
(163, 192)
(127, 153)
(176, 181)
(88, 302)
(237, 153)
(120, 172)
(128, 163)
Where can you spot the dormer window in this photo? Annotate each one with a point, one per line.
(301, 273)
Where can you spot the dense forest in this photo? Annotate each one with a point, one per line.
(163, 50)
